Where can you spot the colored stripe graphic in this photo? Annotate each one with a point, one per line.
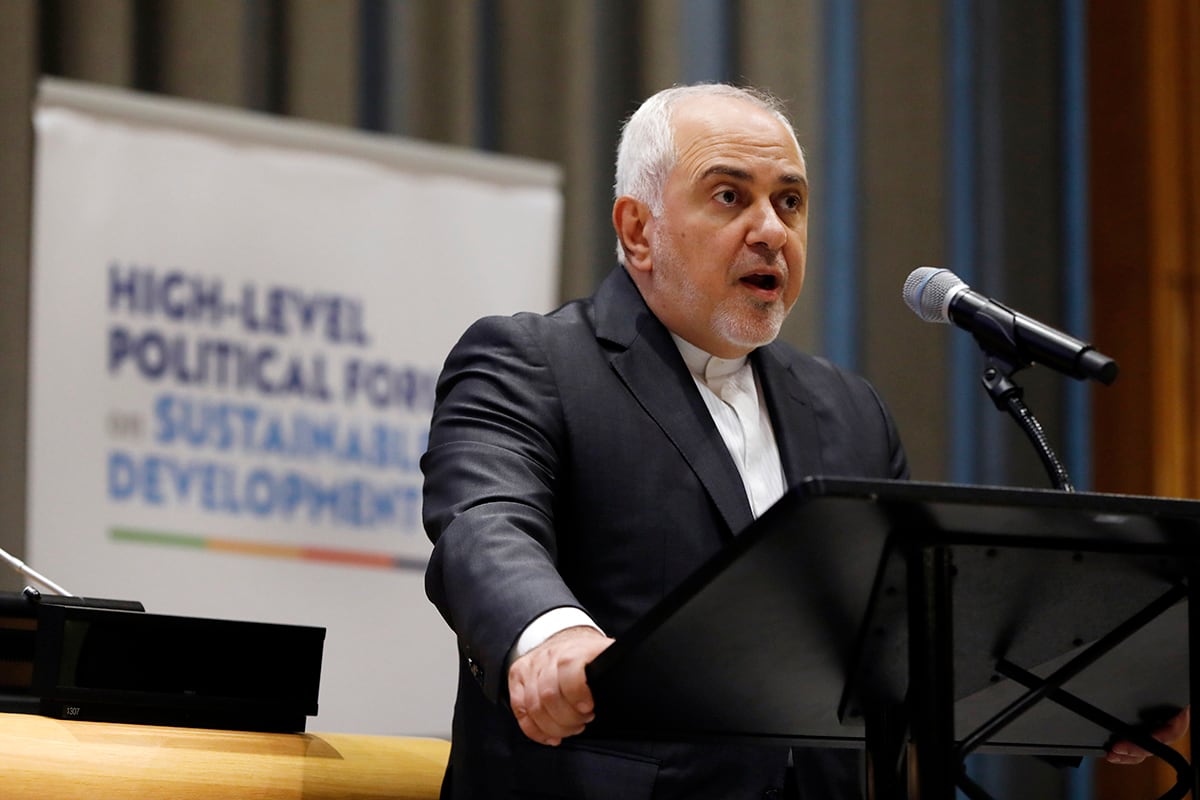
(267, 550)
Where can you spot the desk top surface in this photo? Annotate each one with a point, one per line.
(50, 758)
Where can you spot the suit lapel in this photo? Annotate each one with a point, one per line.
(791, 415)
(649, 363)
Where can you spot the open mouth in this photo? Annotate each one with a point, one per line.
(762, 281)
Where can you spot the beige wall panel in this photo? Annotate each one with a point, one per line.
(779, 51)
(535, 65)
(200, 50)
(94, 41)
(661, 60)
(904, 208)
(320, 45)
(532, 77)
(585, 202)
(18, 35)
(441, 69)
(779, 46)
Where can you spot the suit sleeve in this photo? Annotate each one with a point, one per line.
(491, 468)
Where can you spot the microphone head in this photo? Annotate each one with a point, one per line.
(928, 290)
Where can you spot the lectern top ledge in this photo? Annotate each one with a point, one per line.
(109, 660)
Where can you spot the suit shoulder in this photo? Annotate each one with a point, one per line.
(810, 368)
(828, 384)
(571, 314)
(847, 400)
(527, 335)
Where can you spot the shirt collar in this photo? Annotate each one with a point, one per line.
(706, 367)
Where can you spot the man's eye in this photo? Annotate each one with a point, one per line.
(727, 196)
(793, 202)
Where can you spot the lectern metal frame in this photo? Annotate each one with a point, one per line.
(895, 615)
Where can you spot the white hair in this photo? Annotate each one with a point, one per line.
(646, 153)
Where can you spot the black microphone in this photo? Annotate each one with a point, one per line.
(938, 295)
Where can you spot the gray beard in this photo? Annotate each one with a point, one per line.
(726, 321)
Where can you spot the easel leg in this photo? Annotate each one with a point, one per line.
(886, 732)
(1194, 667)
(931, 671)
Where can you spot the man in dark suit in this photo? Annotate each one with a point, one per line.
(582, 463)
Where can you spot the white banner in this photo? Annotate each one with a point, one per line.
(237, 325)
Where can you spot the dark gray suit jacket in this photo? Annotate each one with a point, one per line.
(572, 462)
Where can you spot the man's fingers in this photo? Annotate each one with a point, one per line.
(1124, 760)
(1125, 752)
(575, 691)
(552, 712)
(1175, 728)
(548, 687)
(542, 725)
(516, 693)
(531, 729)
(543, 714)
(533, 718)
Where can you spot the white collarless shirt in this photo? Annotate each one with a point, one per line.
(734, 398)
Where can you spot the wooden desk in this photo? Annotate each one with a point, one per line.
(47, 759)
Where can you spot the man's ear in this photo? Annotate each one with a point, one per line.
(630, 219)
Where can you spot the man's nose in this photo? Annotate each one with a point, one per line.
(767, 231)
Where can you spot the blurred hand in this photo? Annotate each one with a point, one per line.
(547, 687)
(1124, 752)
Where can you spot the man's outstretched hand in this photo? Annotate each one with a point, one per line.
(1124, 752)
(547, 687)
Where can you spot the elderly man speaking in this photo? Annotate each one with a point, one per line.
(582, 463)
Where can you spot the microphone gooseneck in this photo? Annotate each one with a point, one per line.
(1011, 341)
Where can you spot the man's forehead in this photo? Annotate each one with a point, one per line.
(787, 175)
(729, 134)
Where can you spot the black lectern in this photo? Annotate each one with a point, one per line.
(923, 621)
